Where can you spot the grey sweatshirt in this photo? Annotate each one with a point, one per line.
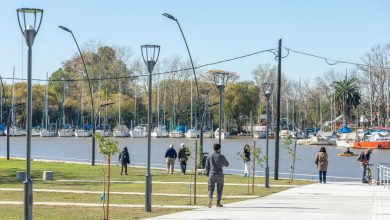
(215, 163)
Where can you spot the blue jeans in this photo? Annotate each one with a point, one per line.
(364, 173)
(183, 166)
(322, 175)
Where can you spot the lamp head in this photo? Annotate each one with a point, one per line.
(267, 89)
(30, 23)
(150, 54)
(65, 29)
(169, 16)
(220, 77)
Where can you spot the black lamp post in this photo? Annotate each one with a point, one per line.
(100, 106)
(150, 54)
(220, 79)
(9, 124)
(196, 81)
(267, 89)
(90, 92)
(29, 32)
(206, 106)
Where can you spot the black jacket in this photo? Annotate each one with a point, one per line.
(124, 157)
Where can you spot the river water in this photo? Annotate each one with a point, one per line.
(80, 148)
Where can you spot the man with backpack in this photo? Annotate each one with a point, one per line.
(364, 160)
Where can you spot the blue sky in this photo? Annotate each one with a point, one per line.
(215, 30)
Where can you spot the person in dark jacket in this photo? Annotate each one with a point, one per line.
(170, 157)
(214, 170)
(364, 159)
(184, 154)
(124, 159)
(247, 159)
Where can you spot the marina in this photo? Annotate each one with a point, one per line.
(79, 150)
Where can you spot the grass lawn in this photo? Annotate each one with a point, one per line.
(69, 171)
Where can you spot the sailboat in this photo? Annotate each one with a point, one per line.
(191, 133)
(47, 132)
(66, 129)
(14, 130)
(120, 130)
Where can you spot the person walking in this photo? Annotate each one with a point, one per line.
(247, 159)
(364, 160)
(124, 159)
(322, 164)
(170, 157)
(214, 170)
(184, 154)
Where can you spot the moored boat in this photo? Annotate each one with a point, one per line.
(121, 131)
(160, 132)
(224, 134)
(176, 134)
(192, 133)
(139, 131)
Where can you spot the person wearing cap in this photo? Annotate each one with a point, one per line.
(364, 159)
(184, 154)
(214, 170)
(170, 157)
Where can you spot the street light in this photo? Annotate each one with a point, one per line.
(98, 110)
(90, 92)
(150, 54)
(9, 123)
(220, 78)
(29, 32)
(267, 89)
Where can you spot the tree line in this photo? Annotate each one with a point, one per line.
(119, 78)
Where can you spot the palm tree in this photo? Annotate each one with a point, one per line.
(347, 95)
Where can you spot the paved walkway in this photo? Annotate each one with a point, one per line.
(346, 201)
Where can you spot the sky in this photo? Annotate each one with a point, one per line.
(215, 30)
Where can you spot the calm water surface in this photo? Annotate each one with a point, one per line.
(79, 149)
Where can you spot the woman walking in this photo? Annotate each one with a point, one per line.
(124, 159)
(247, 159)
(322, 164)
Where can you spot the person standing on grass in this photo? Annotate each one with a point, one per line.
(247, 159)
(170, 157)
(124, 159)
(322, 164)
(214, 170)
(184, 154)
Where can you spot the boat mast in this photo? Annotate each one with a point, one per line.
(369, 75)
(13, 98)
(46, 103)
(119, 103)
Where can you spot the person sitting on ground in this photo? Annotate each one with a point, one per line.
(124, 159)
(170, 157)
(184, 154)
(214, 170)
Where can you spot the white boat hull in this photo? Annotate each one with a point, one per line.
(15, 132)
(83, 133)
(65, 133)
(175, 134)
(47, 133)
(104, 133)
(121, 134)
(192, 134)
(138, 133)
(159, 134)
(207, 134)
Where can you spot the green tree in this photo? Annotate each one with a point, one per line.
(239, 100)
(347, 95)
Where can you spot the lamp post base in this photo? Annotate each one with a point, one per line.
(28, 199)
(266, 181)
(148, 193)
